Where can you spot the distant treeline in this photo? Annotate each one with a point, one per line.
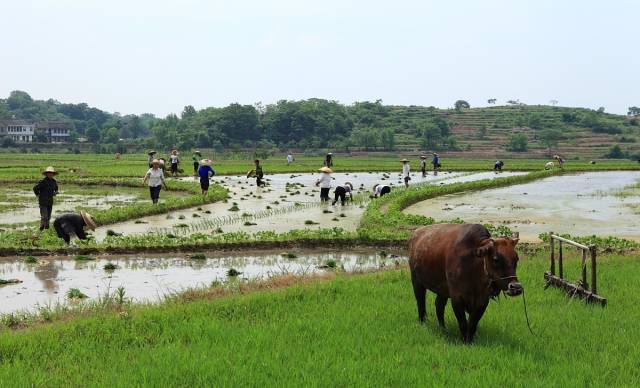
(307, 124)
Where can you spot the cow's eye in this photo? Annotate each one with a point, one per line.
(495, 258)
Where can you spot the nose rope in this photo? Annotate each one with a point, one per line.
(524, 301)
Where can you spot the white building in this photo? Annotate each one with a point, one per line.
(23, 131)
(20, 131)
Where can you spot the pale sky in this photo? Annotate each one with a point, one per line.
(138, 56)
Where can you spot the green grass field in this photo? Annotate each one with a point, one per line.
(352, 330)
(29, 166)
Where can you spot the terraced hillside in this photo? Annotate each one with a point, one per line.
(584, 131)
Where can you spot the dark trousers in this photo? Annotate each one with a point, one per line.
(45, 216)
(259, 181)
(424, 170)
(324, 194)
(195, 167)
(385, 190)
(155, 193)
(341, 193)
(204, 183)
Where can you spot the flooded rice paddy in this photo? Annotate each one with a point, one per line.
(149, 278)
(289, 202)
(600, 203)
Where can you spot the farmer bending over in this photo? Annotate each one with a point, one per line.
(73, 223)
(343, 192)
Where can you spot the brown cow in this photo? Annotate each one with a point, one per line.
(461, 262)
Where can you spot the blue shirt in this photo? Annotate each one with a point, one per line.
(203, 171)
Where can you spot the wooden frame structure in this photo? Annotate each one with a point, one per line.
(581, 289)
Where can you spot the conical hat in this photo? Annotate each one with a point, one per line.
(51, 170)
(325, 169)
(404, 160)
(205, 162)
(91, 224)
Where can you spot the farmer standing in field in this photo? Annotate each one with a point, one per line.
(259, 174)
(206, 172)
(560, 161)
(196, 158)
(289, 158)
(174, 159)
(45, 190)
(155, 179)
(406, 172)
(324, 182)
(423, 165)
(72, 223)
(328, 160)
(436, 162)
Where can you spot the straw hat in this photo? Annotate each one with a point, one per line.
(196, 152)
(325, 169)
(404, 160)
(205, 162)
(329, 153)
(423, 156)
(51, 170)
(152, 152)
(155, 161)
(174, 152)
(91, 224)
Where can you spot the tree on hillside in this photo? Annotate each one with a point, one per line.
(634, 111)
(109, 135)
(517, 142)
(19, 100)
(92, 132)
(387, 139)
(550, 137)
(491, 101)
(553, 102)
(461, 104)
(616, 152)
(368, 138)
(188, 111)
(600, 110)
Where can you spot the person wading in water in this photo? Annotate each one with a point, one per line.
(45, 190)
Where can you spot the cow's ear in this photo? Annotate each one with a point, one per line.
(514, 241)
(485, 248)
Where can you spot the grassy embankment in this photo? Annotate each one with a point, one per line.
(350, 330)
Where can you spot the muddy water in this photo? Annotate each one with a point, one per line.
(580, 205)
(149, 278)
(29, 211)
(251, 200)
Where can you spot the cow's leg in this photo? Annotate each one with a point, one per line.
(474, 318)
(441, 302)
(421, 295)
(459, 311)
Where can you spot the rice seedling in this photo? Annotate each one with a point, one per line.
(83, 258)
(111, 232)
(289, 255)
(181, 226)
(140, 222)
(234, 208)
(181, 217)
(249, 223)
(31, 260)
(75, 294)
(110, 267)
(195, 215)
(232, 273)
(198, 256)
(310, 222)
(329, 264)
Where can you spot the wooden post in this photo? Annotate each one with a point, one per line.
(584, 269)
(594, 287)
(560, 268)
(553, 260)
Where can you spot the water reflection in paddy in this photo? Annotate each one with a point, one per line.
(581, 204)
(149, 278)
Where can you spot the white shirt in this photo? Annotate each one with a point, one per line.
(405, 170)
(174, 159)
(156, 177)
(325, 180)
(289, 158)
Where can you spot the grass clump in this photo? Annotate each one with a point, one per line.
(83, 258)
(249, 223)
(234, 208)
(31, 260)
(9, 281)
(310, 222)
(329, 264)
(198, 256)
(289, 255)
(76, 294)
(113, 233)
